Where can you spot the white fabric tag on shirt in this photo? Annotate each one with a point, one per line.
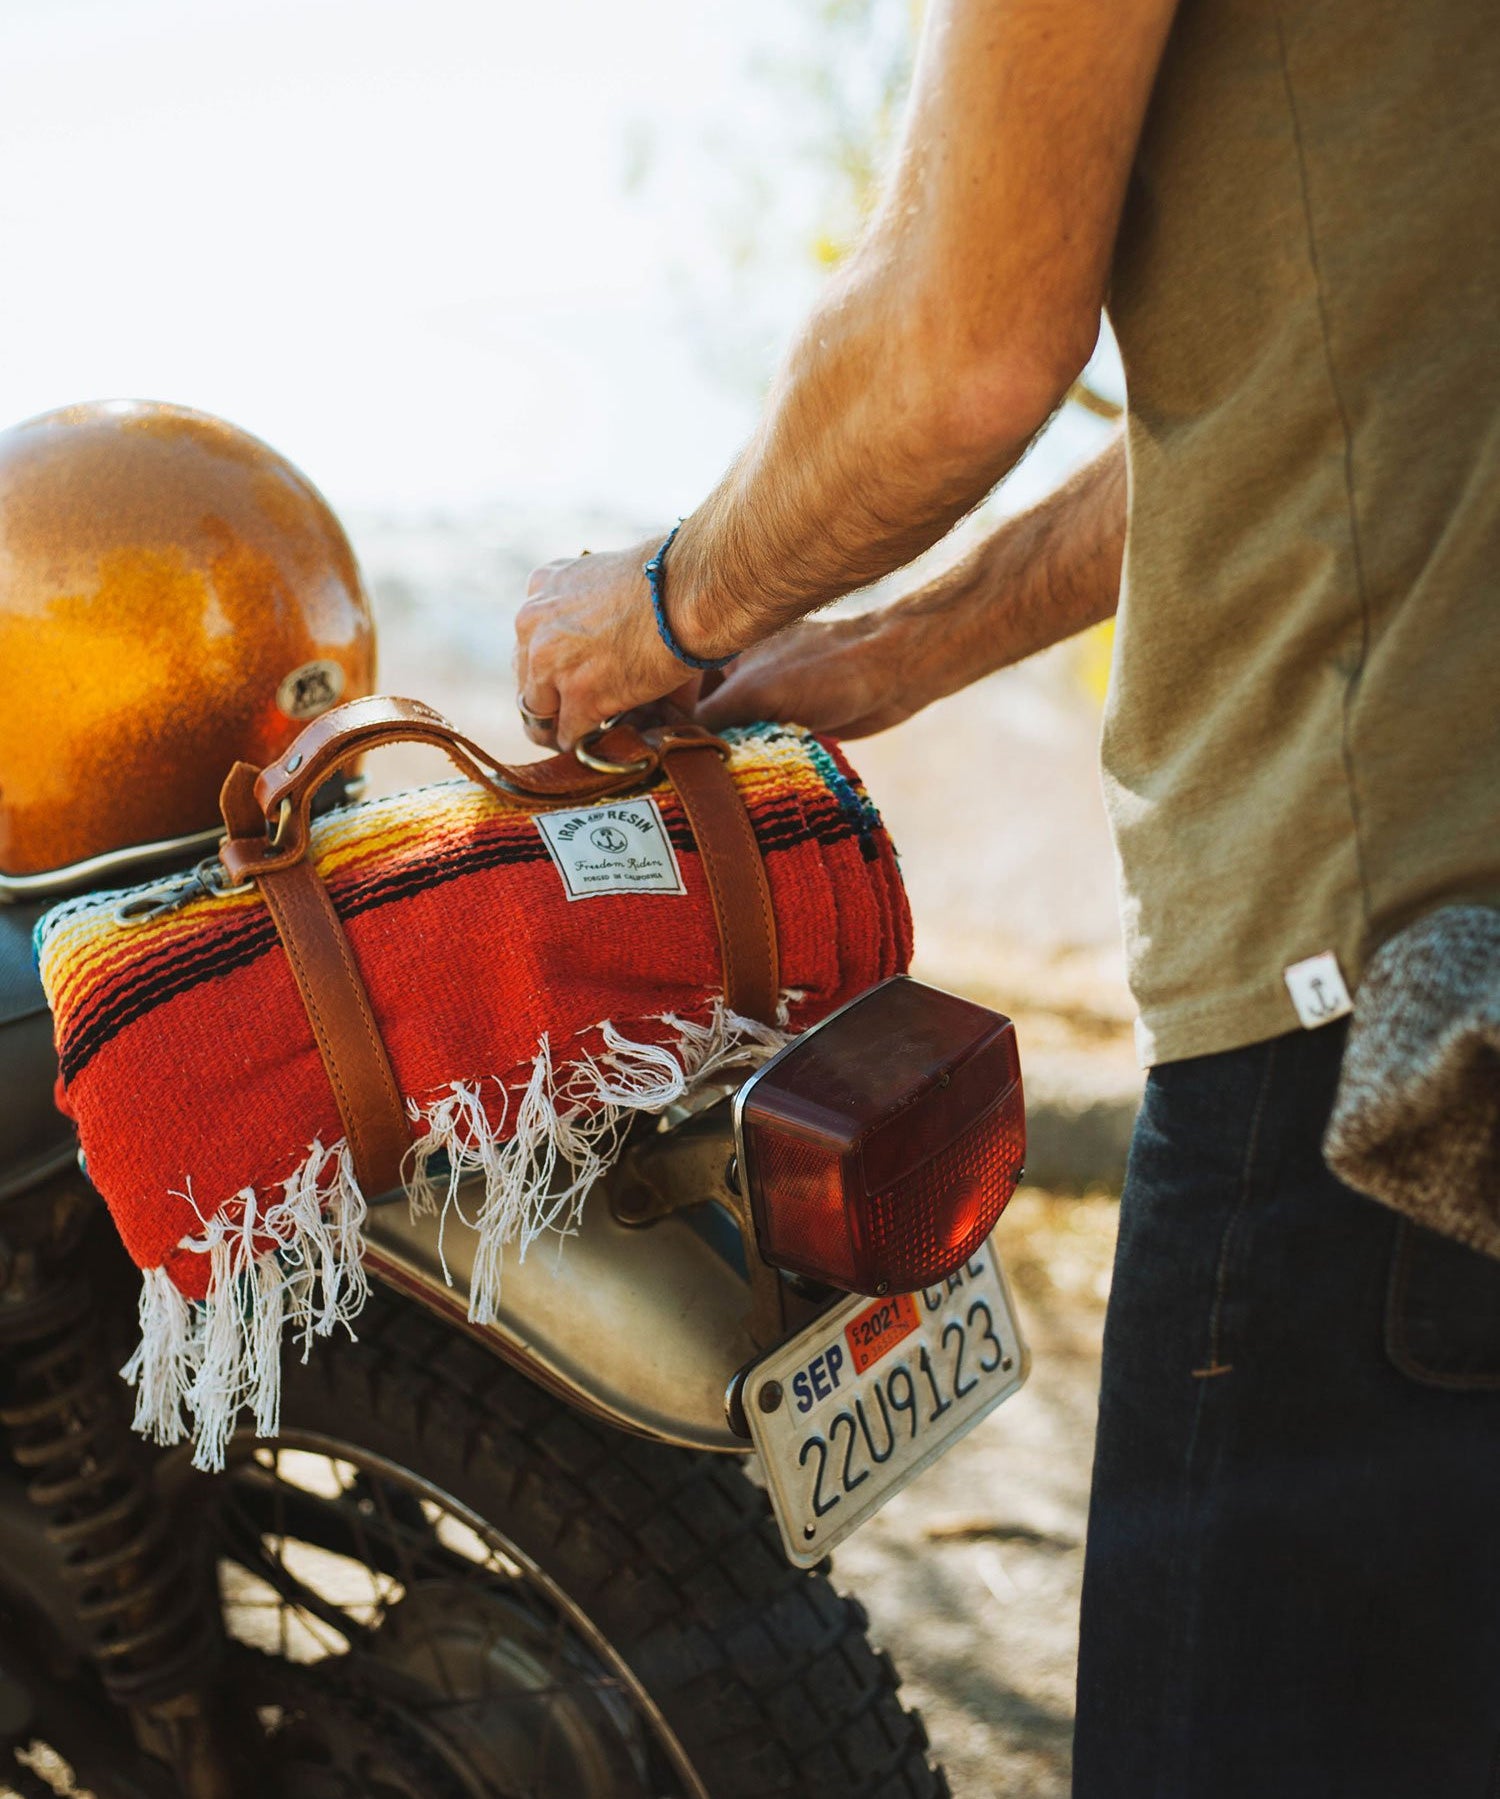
(1318, 991)
(611, 849)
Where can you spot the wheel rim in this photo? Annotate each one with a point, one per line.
(376, 1616)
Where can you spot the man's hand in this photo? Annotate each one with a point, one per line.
(587, 646)
(841, 677)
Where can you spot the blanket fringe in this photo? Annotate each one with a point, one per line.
(199, 1364)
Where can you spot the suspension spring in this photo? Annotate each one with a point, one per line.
(138, 1597)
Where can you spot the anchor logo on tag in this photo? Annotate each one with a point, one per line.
(1321, 1005)
(1318, 990)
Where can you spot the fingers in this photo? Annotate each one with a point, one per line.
(566, 700)
(540, 727)
(724, 706)
(747, 693)
(539, 710)
(587, 647)
(558, 684)
(812, 675)
(575, 722)
(536, 698)
(751, 705)
(686, 696)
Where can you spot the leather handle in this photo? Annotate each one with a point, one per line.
(336, 737)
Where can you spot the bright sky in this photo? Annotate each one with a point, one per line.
(397, 238)
(394, 237)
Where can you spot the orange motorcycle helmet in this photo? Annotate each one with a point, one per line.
(174, 596)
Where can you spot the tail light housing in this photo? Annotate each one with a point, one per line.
(878, 1149)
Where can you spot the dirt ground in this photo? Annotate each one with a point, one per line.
(971, 1576)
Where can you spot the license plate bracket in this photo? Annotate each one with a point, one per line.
(854, 1406)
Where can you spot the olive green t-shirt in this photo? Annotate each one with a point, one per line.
(1302, 740)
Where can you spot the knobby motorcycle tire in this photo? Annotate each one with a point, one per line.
(765, 1673)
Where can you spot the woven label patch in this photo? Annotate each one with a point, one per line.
(611, 849)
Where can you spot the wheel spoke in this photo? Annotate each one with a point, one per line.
(249, 1549)
(445, 1635)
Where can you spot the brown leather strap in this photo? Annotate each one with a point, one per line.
(338, 1009)
(734, 869)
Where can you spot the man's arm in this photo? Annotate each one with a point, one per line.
(1032, 581)
(934, 358)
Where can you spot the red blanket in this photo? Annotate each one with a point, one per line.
(534, 984)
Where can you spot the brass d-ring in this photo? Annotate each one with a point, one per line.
(600, 763)
(283, 819)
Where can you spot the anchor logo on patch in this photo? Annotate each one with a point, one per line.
(1318, 991)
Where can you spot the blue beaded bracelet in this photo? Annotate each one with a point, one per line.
(653, 571)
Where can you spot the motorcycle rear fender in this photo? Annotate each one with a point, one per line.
(643, 1326)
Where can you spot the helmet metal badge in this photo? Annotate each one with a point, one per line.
(173, 596)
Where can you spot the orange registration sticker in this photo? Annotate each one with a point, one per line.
(880, 1327)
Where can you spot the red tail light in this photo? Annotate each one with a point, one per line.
(879, 1148)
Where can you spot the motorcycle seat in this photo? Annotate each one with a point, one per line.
(35, 1138)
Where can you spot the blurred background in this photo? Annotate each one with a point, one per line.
(507, 281)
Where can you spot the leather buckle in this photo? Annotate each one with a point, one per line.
(583, 750)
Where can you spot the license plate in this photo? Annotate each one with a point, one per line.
(849, 1410)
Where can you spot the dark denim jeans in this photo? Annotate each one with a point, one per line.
(1292, 1584)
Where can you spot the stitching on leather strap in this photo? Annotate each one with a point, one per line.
(739, 822)
(735, 874)
(276, 898)
(734, 992)
(333, 994)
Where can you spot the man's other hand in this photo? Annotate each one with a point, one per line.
(841, 677)
(587, 646)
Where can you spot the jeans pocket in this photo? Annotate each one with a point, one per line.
(1442, 1314)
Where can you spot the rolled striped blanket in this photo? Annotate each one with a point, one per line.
(537, 978)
